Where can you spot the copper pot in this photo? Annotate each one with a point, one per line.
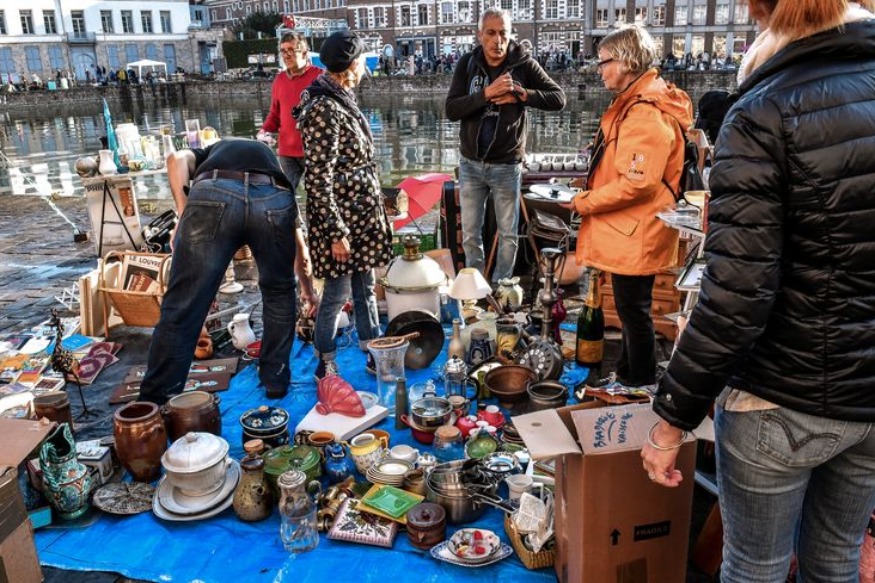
(193, 411)
(140, 439)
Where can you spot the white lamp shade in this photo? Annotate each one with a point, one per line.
(470, 285)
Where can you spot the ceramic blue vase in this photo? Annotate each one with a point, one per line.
(66, 482)
(338, 466)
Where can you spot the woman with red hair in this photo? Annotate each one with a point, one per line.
(784, 330)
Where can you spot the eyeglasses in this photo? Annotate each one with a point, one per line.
(290, 52)
(603, 63)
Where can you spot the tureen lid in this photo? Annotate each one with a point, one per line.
(264, 418)
(287, 457)
(193, 452)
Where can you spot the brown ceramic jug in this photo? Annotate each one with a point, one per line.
(193, 411)
(253, 499)
(140, 439)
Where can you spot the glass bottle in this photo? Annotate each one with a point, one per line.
(591, 327)
(456, 347)
(448, 443)
(253, 500)
(297, 513)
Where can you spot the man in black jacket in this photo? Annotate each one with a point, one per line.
(492, 86)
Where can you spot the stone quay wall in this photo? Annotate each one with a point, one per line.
(577, 85)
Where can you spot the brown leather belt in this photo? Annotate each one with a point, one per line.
(246, 177)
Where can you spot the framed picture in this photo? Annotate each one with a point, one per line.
(690, 277)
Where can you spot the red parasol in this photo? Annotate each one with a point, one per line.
(423, 193)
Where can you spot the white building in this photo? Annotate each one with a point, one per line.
(42, 36)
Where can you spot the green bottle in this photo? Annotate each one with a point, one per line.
(591, 327)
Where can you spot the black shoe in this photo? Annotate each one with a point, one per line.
(371, 365)
(275, 392)
(325, 368)
(600, 384)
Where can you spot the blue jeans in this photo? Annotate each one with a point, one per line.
(293, 168)
(221, 216)
(633, 295)
(334, 295)
(790, 481)
(477, 181)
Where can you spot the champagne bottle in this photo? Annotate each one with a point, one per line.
(591, 327)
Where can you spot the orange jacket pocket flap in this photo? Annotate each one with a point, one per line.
(623, 224)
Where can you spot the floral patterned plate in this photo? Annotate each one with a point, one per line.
(442, 553)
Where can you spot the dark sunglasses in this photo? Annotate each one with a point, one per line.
(603, 63)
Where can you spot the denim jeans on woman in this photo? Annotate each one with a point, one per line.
(477, 181)
(793, 482)
(633, 296)
(221, 216)
(364, 304)
(293, 168)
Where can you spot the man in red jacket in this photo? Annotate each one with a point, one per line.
(285, 96)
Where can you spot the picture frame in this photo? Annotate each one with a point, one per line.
(690, 277)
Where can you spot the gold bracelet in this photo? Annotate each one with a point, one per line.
(655, 445)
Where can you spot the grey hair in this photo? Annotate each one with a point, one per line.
(296, 37)
(494, 12)
(633, 46)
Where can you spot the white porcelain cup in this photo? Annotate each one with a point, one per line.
(404, 452)
(518, 485)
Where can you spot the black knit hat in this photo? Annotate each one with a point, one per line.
(340, 50)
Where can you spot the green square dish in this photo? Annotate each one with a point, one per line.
(393, 501)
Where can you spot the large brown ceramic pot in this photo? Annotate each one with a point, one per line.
(140, 440)
(193, 411)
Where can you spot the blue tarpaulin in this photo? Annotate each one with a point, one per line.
(224, 548)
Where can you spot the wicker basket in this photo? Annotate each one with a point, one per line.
(136, 308)
(540, 560)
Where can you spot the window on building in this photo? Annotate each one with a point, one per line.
(422, 15)
(551, 11)
(405, 16)
(146, 20)
(657, 17)
(601, 18)
(679, 46)
(127, 21)
(464, 12)
(524, 9)
(151, 51)
(7, 65)
(641, 15)
(2, 22)
(78, 19)
(267, 6)
(379, 17)
(275, 6)
(106, 21)
(361, 18)
(742, 15)
(700, 13)
(26, 22)
(506, 5)
(112, 56)
(572, 8)
(132, 53)
(166, 25)
(214, 15)
(446, 12)
(56, 57)
(34, 62)
(721, 14)
(680, 15)
(248, 10)
(620, 15)
(285, 5)
(49, 21)
(718, 50)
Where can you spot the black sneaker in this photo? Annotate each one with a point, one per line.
(371, 364)
(325, 368)
(600, 384)
(275, 393)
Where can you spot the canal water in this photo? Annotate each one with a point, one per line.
(40, 146)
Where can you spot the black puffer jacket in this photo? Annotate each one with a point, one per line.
(787, 306)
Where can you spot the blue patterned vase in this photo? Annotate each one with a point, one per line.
(66, 482)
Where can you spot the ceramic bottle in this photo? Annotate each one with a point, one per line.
(456, 347)
(66, 482)
(253, 500)
(338, 466)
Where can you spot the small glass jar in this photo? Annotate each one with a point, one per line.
(448, 443)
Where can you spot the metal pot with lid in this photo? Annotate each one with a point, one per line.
(412, 281)
(431, 411)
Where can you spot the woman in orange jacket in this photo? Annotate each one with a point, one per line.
(636, 166)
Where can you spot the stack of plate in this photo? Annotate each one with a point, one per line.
(169, 503)
(510, 435)
(389, 471)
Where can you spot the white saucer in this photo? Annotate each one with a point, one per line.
(173, 500)
(165, 514)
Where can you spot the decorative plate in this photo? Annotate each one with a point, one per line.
(362, 527)
(473, 545)
(442, 553)
(124, 498)
(390, 500)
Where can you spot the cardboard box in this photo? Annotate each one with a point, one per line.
(18, 558)
(97, 457)
(613, 525)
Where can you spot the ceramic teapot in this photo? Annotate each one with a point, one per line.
(241, 331)
(338, 466)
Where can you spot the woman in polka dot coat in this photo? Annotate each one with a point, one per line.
(348, 229)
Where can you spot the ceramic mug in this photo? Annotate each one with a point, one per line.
(320, 439)
(517, 486)
(460, 405)
(404, 452)
(366, 450)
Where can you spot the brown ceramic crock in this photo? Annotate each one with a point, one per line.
(426, 525)
(140, 439)
(54, 406)
(193, 411)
